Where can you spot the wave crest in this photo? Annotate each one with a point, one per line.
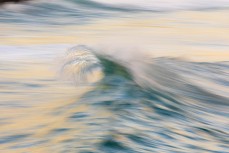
(81, 65)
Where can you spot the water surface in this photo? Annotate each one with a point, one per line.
(114, 76)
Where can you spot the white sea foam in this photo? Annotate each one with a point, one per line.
(162, 5)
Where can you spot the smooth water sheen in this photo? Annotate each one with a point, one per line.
(117, 76)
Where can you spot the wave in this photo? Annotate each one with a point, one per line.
(81, 11)
(140, 5)
(151, 99)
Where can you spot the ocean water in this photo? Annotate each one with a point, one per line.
(117, 76)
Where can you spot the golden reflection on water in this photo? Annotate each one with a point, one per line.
(201, 36)
(30, 97)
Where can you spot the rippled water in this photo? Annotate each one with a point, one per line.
(124, 76)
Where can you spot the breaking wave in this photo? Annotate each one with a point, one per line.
(169, 99)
